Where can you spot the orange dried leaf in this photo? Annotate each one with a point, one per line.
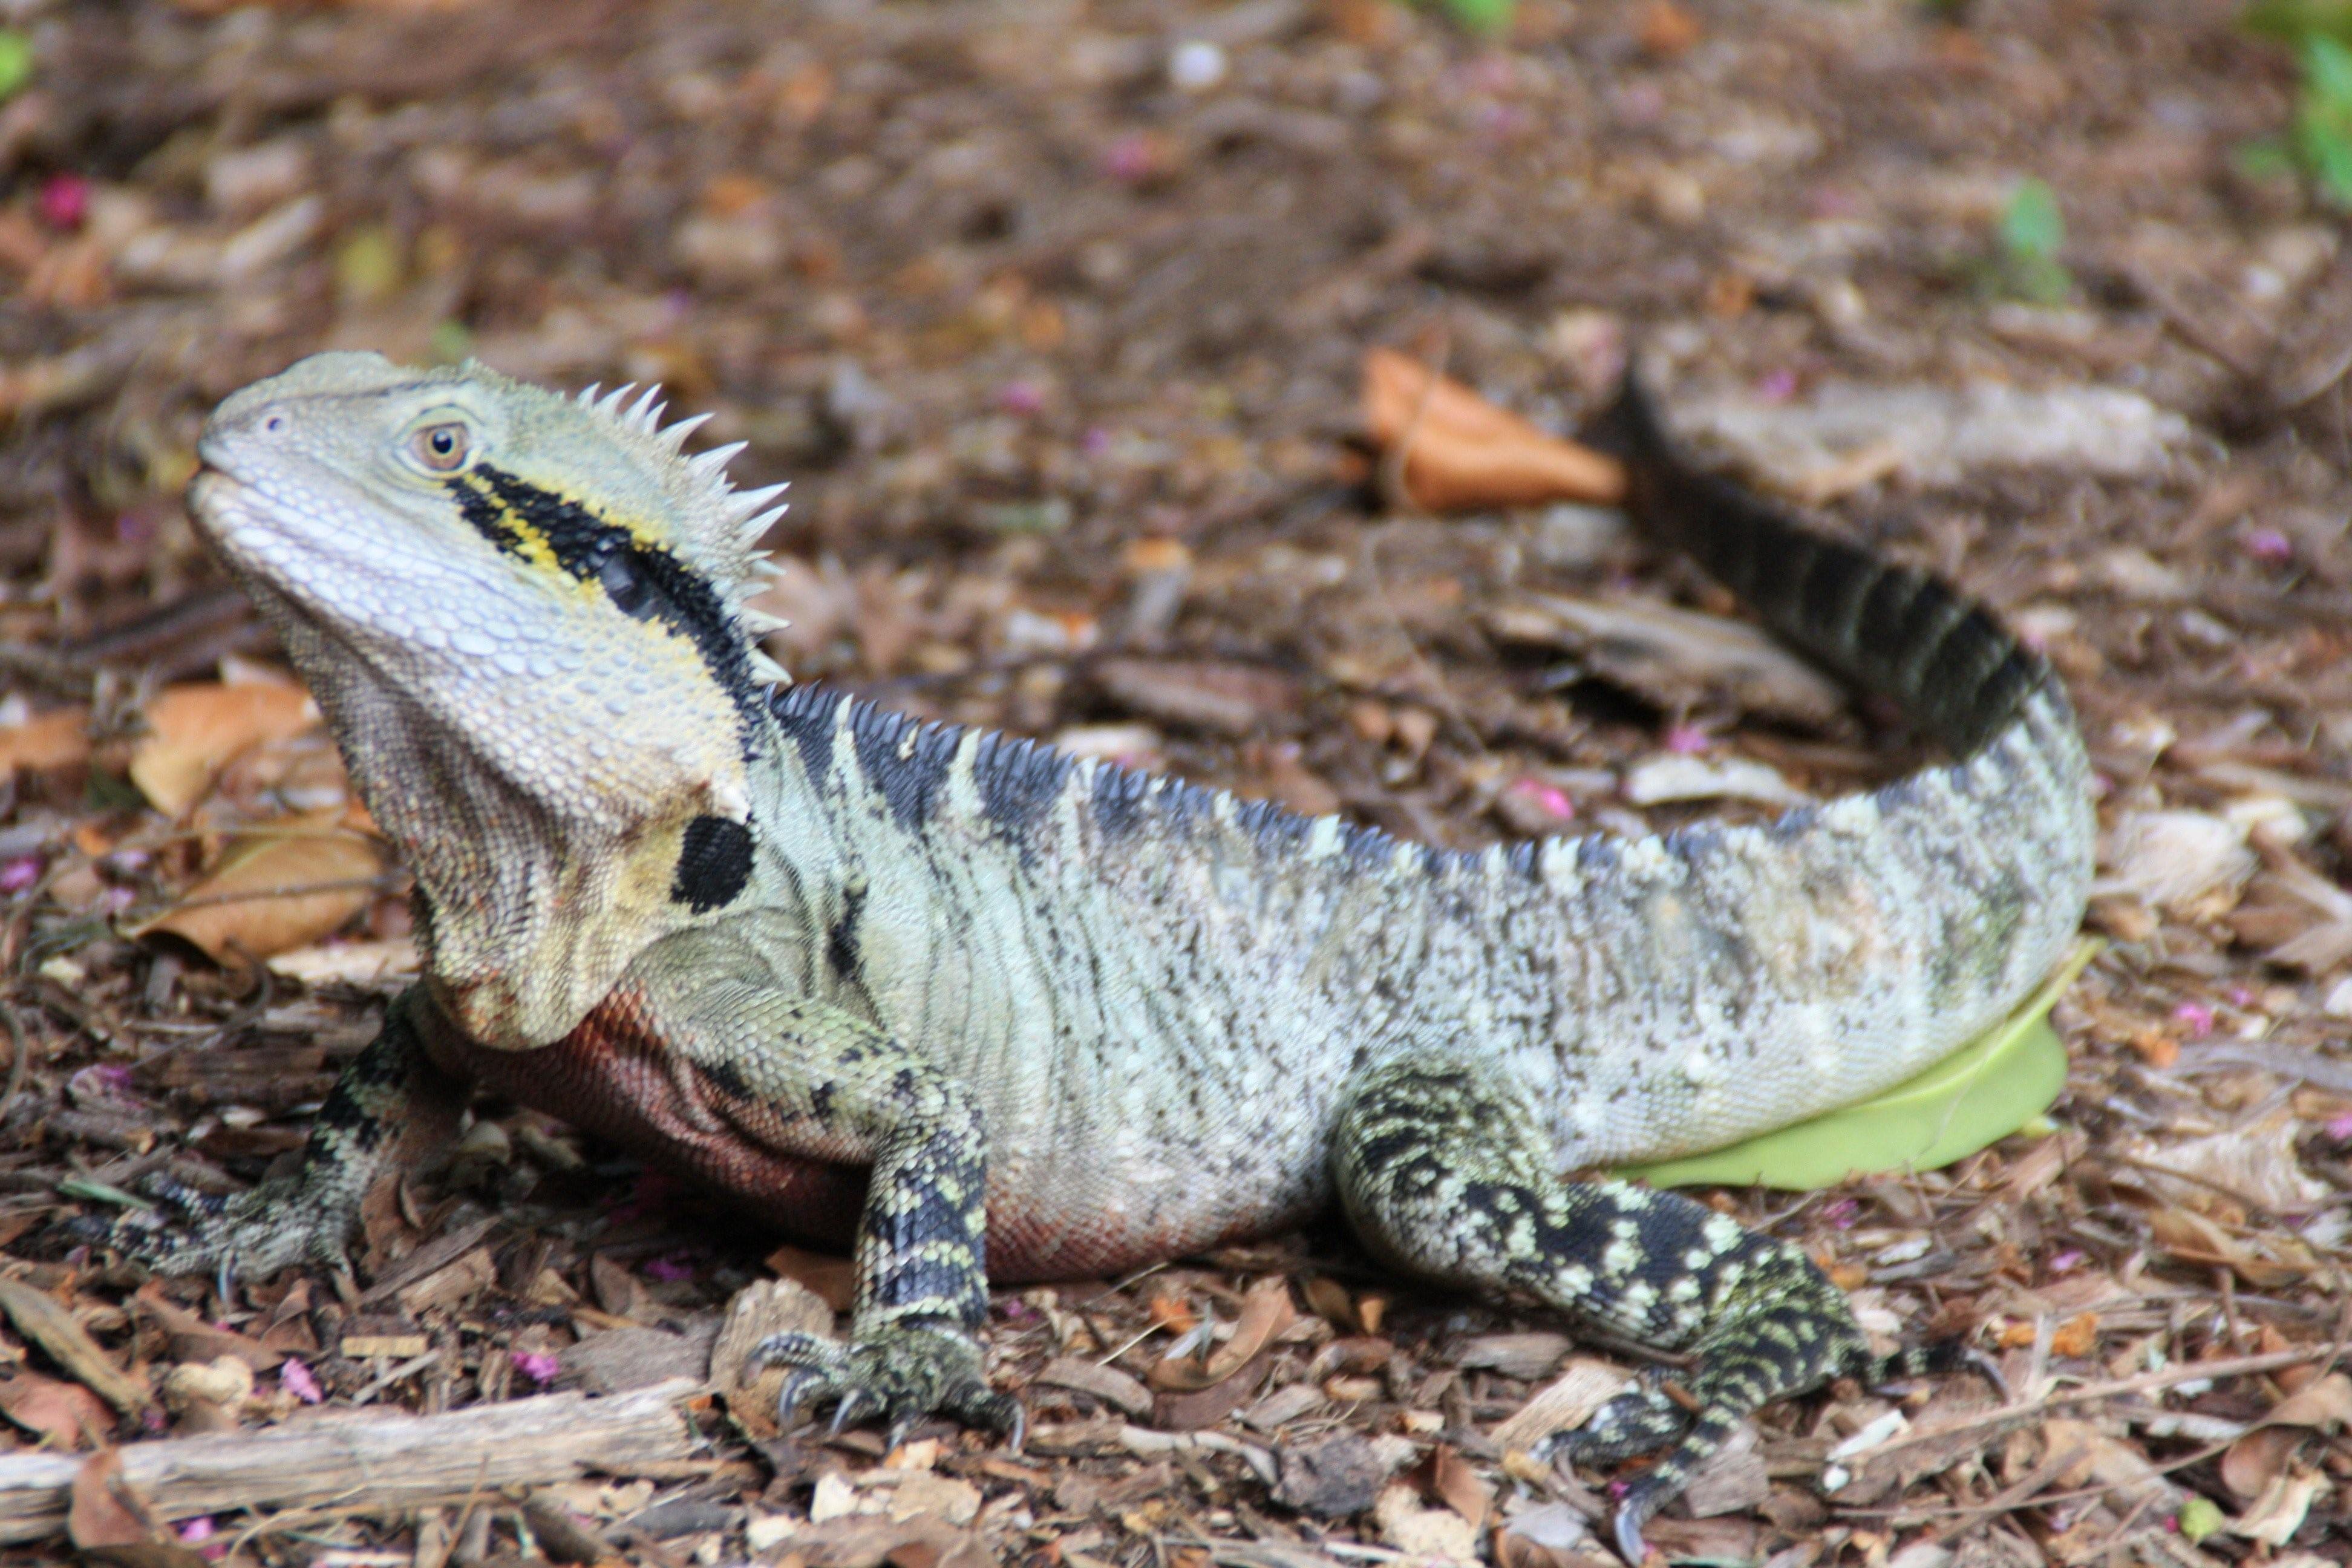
(109, 1521)
(2078, 1335)
(276, 888)
(194, 732)
(833, 1281)
(67, 1414)
(1172, 1313)
(1461, 453)
(1667, 29)
(1452, 1481)
(1328, 1299)
(57, 740)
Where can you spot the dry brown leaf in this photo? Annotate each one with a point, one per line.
(109, 1523)
(1266, 1311)
(1565, 1402)
(276, 888)
(56, 740)
(1461, 453)
(194, 732)
(2259, 1458)
(1448, 1479)
(2191, 1235)
(39, 1317)
(67, 1414)
(833, 1280)
(2280, 1512)
(194, 1339)
(2256, 1160)
(1677, 659)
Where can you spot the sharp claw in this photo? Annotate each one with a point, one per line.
(841, 1412)
(795, 1389)
(1629, 1544)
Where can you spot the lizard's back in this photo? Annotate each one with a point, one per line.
(1161, 993)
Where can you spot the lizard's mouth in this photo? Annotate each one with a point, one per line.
(212, 497)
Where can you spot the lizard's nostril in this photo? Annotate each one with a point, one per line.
(274, 425)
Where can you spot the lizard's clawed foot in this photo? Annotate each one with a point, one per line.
(1642, 1418)
(898, 1375)
(251, 1234)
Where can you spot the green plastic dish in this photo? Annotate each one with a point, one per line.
(1994, 1086)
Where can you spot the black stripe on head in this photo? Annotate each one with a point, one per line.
(647, 581)
(486, 516)
(714, 862)
(905, 759)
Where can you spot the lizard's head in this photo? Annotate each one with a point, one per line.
(550, 578)
(523, 614)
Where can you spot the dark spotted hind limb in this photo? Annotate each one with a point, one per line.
(390, 1104)
(1445, 1170)
(802, 1077)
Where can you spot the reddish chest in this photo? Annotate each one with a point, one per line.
(614, 1077)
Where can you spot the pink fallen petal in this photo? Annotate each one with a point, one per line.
(536, 1365)
(64, 201)
(20, 873)
(296, 1379)
(2194, 1016)
(1549, 799)
(2268, 545)
(1686, 740)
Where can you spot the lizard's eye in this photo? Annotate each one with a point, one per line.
(441, 447)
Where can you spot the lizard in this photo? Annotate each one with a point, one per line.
(988, 1012)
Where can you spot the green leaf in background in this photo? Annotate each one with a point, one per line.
(15, 62)
(1482, 16)
(1993, 1087)
(2296, 19)
(2323, 115)
(2032, 227)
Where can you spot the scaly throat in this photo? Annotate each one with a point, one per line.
(527, 915)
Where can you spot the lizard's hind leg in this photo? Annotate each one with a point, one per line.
(1445, 1169)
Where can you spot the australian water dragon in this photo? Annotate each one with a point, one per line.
(993, 1011)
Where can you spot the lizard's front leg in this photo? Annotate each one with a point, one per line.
(391, 1105)
(807, 1078)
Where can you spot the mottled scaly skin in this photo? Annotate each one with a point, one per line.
(992, 1010)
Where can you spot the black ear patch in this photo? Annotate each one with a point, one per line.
(713, 864)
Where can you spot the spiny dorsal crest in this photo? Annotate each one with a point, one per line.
(719, 526)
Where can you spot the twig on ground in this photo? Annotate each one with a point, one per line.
(387, 1463)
